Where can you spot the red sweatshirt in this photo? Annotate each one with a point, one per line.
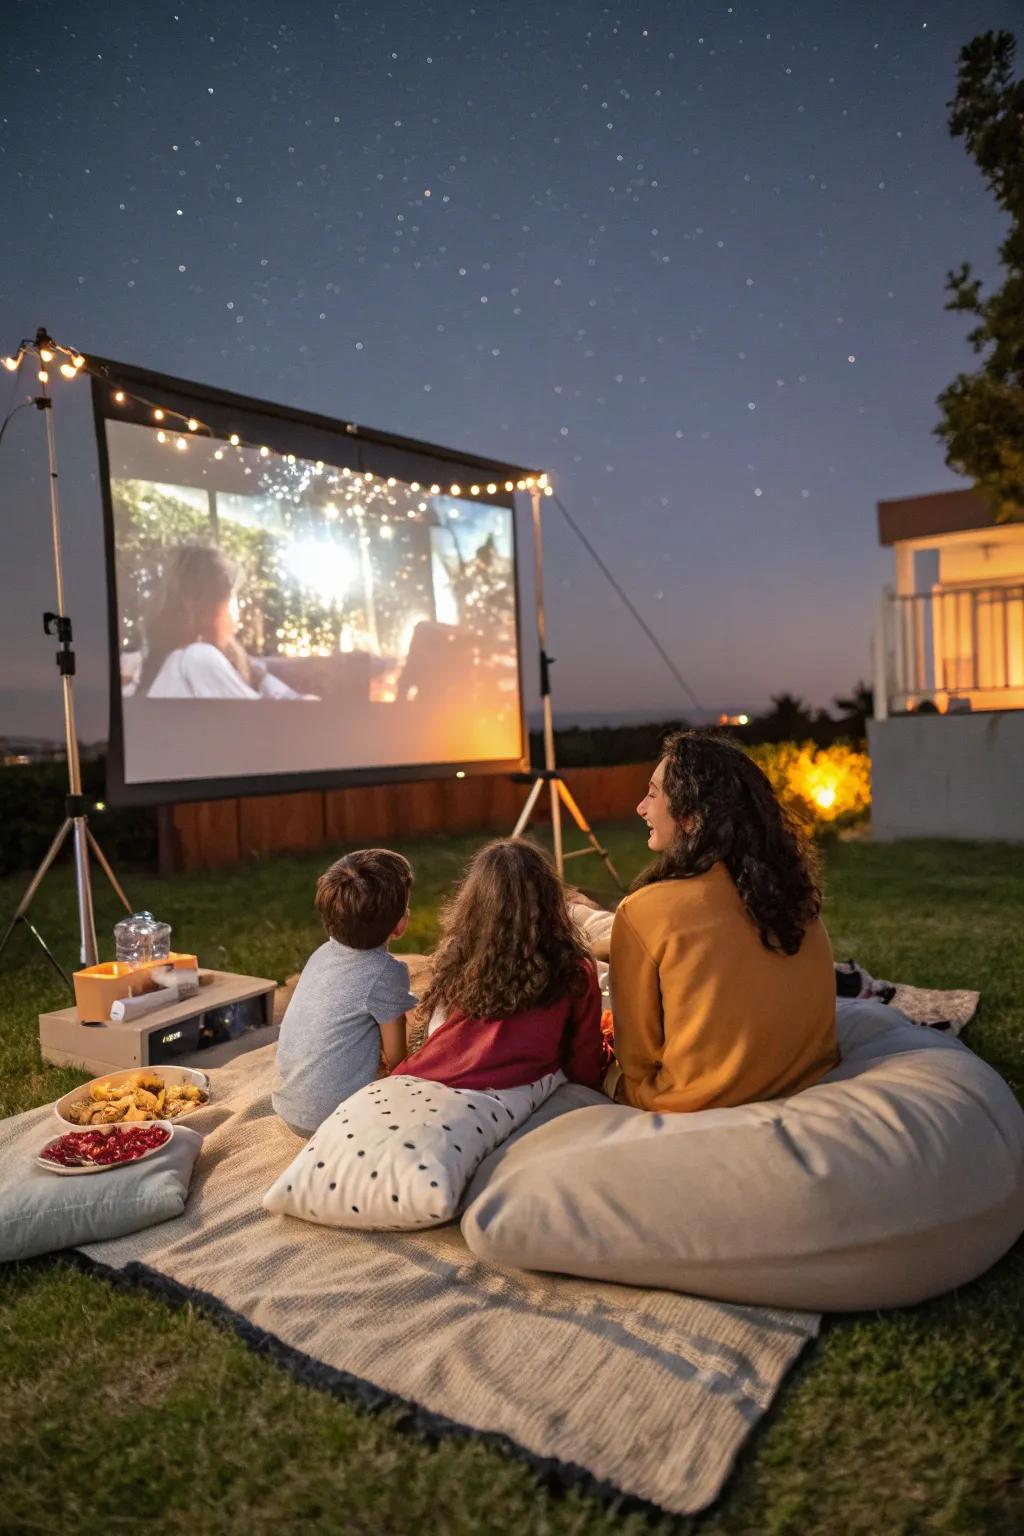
(509, 1053)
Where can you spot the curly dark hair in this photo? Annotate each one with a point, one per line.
(725, 809)
(507, 941)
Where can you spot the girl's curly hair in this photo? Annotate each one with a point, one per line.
(725, 809)
(507, 941)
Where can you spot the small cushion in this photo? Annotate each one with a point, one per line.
(41, 1212)
(399, 1153)
(897, 1177)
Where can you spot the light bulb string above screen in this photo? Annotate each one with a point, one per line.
(165, 418)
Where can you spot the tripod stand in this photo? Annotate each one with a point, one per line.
(76, 820)
(549, 774)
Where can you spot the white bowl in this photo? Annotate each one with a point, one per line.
(167, 1125)
(170, 1075)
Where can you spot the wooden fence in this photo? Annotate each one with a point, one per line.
(211, 834)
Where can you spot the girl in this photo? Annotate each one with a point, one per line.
(191, 646)
(723, 988)
(514, 994)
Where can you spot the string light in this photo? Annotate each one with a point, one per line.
(76, 361)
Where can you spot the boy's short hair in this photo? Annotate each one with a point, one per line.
(364, 896)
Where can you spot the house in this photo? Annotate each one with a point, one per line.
(947, 741)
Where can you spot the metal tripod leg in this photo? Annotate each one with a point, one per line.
(37, 879)
(527, 811)
(588, 832)
(27, 899)
(104, 865)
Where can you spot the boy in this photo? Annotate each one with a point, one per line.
(348, 1008)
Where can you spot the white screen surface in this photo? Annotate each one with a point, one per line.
(280, 616)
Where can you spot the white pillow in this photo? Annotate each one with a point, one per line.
(399, 1153)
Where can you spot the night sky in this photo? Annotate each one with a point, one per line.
(689, 258)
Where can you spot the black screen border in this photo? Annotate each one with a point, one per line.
(285, 429)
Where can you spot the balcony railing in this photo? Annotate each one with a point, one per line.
(954, 647)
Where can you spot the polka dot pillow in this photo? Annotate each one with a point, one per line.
(399, 1153)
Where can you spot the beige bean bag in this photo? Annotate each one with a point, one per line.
(897, 1177)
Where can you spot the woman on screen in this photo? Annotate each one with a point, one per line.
(192, 651)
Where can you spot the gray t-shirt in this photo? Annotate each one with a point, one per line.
(329, 1044)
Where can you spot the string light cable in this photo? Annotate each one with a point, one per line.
(628, 602)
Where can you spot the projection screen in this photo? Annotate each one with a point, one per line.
(297, 602)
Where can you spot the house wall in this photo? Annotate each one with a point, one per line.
(959, 776)
(973, 557)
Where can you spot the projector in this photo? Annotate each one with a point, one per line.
(230, 1015)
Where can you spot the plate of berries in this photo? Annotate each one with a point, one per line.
(104, 1147)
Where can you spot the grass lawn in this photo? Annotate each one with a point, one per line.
(116, 1409)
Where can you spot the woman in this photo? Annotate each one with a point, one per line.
(191, 649)
(723, 985)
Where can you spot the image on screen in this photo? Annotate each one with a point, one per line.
(281, 616)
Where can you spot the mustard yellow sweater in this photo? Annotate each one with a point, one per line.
(705, 1015)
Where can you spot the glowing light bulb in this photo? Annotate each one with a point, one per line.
(520, 485)
(290, 458)
(158, 414)
(219, 453)
(456, 490)
(549, 490)
(392, 480)
(491, 488)
(67, 370)
(542, 480)
(119, 396)
(78, 361)
(530, 482)
(161, 437)
(11, 364)
(180, 443)
(435, 490)
(414, 486)
(234, 439)
(474, 490)
(193, 425)
(460, 773)
(264, 452)
(45, 355)
(742, 719)
(509, 486)
(43, 376)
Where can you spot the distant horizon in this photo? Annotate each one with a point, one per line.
(44, 716)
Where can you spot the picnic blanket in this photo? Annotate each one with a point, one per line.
(644, 1393)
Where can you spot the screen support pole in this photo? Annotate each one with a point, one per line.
(550, 775)
(76, 821)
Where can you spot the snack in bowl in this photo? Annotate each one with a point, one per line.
(141, 1096)
(108, 1148)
